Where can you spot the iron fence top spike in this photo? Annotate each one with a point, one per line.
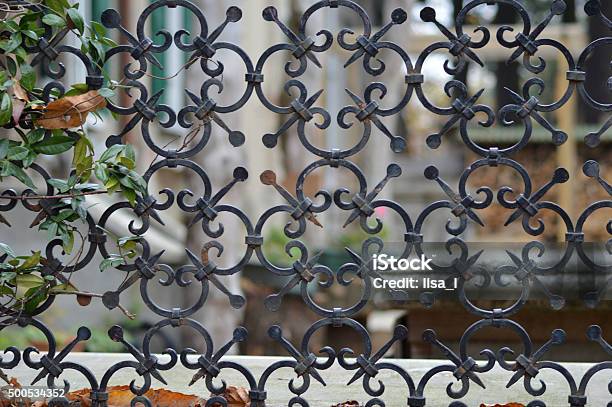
(428, 15)
(197, 376)
(557, 337)
(557, 7)
(473, 56)
(153, 260)
(474, 377)
(195, 98)
(223, 191)
(276, 333)
(475, 96)
(472, 215)
(592, 170)
(356, 99)
(229, 18)
(594, 333)
(311, 100)
(515, 378)
(515, 259)
(315, 374)
(153, 213)
(513, 95)
(356, 258)
(474, 258)
(194, 259)
(83, 334)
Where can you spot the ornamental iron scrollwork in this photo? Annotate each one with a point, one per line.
(304, 108)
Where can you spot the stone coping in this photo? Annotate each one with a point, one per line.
(336, 379)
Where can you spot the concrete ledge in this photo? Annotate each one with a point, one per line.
(336, 377)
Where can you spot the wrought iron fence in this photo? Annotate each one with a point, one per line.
(365, 110)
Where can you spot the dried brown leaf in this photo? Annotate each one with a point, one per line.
(237, 396)
(503, 405)
(121, 396)
(70, 111)
(83, 300)
(19, 92)
(20, 99)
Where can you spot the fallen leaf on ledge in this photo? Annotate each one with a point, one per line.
(120, 396)
(503, 405)
(350, 403)
(236, 397)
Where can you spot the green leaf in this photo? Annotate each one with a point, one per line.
(13, 43)
(98, 29)
(35, 136)
(21, 54)
(106, 93)
(108, 42)
(55, 144)
(68, 242)
(111, 152)
(138, 180)
(63, 287)
(60, 184)
(37, 296)
(7, 249)
(28, 281)
(30, 34)
(111, 185)
(19, 173)
(28, 77)
(129, 152)
(17, 153)
(113, 261)
(77, 89)
(128, 242)
(6, 109)
(7, 276)
(57, 5)
(53, 20)
(101, 173)
(30, 262)
(127, 162)
(77, 20)
(11, 65)
(82, 87)
(84, 168)
(4, 147)
(63, 215)
(52, 231)
(99, 49)
(130, 195)
(80, 151)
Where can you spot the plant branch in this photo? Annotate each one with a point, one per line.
(125, 311)
(60, 196)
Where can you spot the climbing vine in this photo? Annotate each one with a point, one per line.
(41, 120)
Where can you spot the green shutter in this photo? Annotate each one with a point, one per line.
(97, 8)
(158, 23)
